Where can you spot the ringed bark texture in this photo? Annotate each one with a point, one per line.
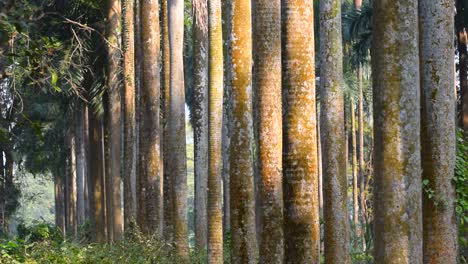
(215, 162)
(397, 165)
(301, 212)
(176, 137)
(438, 130)
(167, 181)
(129, 112)
(200, 119)
(241, 157)
(150, 150)
(336, 240)
(267, 82)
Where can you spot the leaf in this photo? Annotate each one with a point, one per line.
(54, 80)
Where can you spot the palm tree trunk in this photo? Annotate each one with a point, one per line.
(149, 129)
(129, 112)
(215, 219)
(241, 155)
(113, 124)
(301, 212)
(397, 165)
(438, 130)
(267, 85)
(200, 117)
(167, 180)
(176, 138)
(334, 138)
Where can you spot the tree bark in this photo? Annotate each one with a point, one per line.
(267, 85)
(438, 127)
(115, 221)
(72, 230)
(176, 138)
(397, 165)
(334, 138)
(355, 174)
(167, 180)
(129, 112)
(81, 162)
(200, 119)
(59, 193)
(215, 220)
(301, 212)
(241, 147)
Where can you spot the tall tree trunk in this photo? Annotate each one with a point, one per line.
(176, 138)
(355, 173)
(226, 7)
(114, 180)
(150, 150)
(267, 85)
(301, 212)
(129, 112)
(72, 230)
(215, 217)
(200, 117)
(440, 243)
(167, 180)
(241, 155)
(397, 165)
(59, 193)
(334, 138)
(361, 163)
(81, 162)
(462, 42)
(96, 179)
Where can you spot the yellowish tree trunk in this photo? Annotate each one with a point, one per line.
(355, 173)
(150, 151)
(267, 84)
(129, 112)
(301, 212)
(176, 137)
(397, 165)
(438, 130)
(241, 155)
(215, 216)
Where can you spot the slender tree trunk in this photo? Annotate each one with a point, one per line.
(355, 174)
(440, 243)
(200, 117)
(215, 218)
(397, 165)
(176, 138)
(462, 42)
(334, 138)
(96, 179)
(59, 187)
(301, 212)
(150, 130)
(113, 124)
(129, 112)
(72, 189)
(241, 155)
(361, 163)
(226, 7)
(267, 84)
(80, 163)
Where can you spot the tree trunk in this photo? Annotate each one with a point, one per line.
(334, 138)
(361, 164)
(96, 179)
(200, 117)
(438, 131)
(397, 165)
(355, 174)
(301, 212)
(167, 180)
(81, 162)
(129, 112)
(463, 61)
(176, 138)
(241, 155)
(72, 230)
(150, 150)
(59, 187)
(215, 220)
(226, 7)
(115, 225)
(267, 85)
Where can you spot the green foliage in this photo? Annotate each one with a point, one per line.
(461, 185)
